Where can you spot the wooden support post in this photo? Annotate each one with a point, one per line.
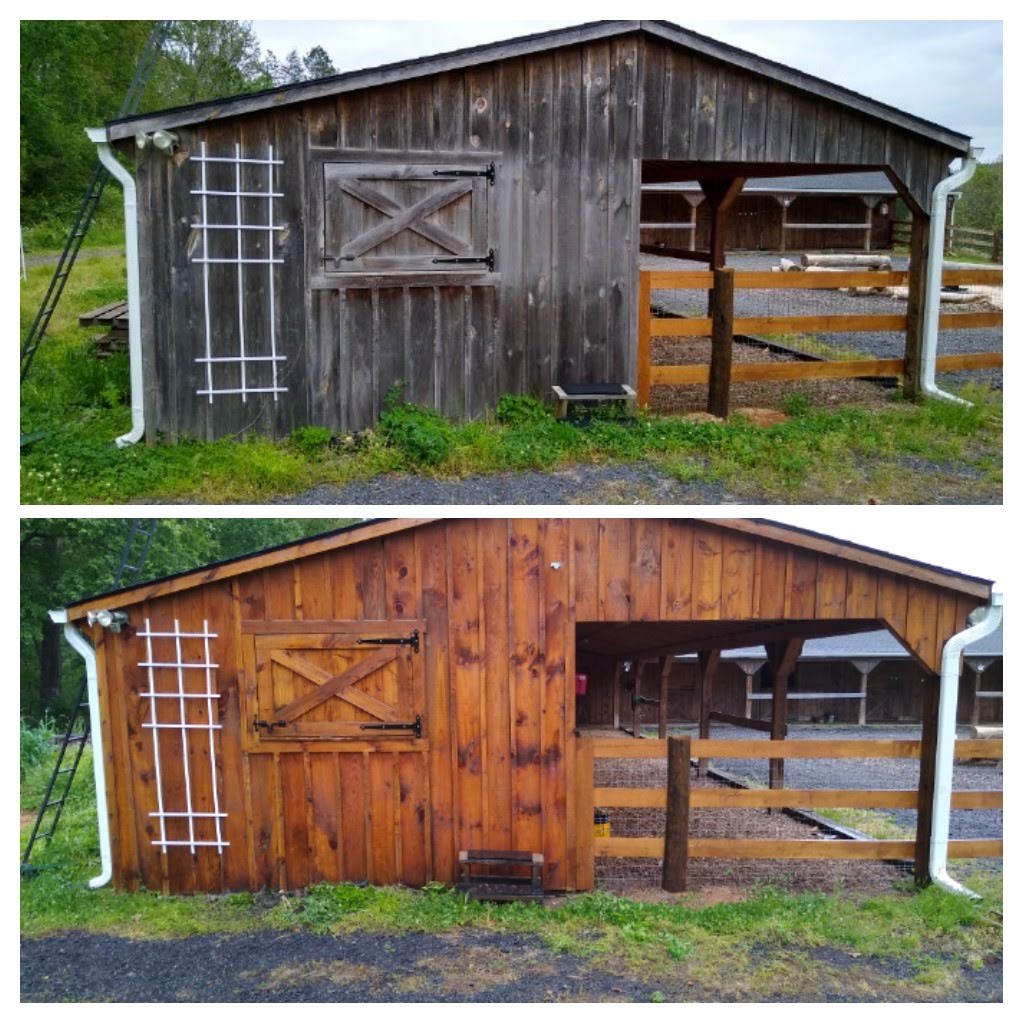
(919, 257)
(666, 672)
(677, 816)
(862, 706)
(721, 343)
(975, 703)
(926, 777)
(643, 342)
(748, 709)
(637, 676)
(708, 662)
(783, 659)
(720, 195)
(583, 786)
(616, 694)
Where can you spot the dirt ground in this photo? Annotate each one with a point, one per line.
(460, 966)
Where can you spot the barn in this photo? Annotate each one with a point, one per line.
(467, 223)
(366, 704)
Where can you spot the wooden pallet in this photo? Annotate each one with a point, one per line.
(501, 888)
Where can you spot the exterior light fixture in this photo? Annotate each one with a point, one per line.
(112, 620)
(141, 140)
(165, 141)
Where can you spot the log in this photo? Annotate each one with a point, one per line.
(986, 732)
(677, 816)
(845, 260)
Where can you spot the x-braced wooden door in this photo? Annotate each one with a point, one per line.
(340, 708)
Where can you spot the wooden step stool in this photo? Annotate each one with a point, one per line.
(501, 888)
(566, 393)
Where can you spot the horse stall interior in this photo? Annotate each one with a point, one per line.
(467, 223)
(364, 705)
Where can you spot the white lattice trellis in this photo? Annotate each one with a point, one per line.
(244, 357)
(179, 695)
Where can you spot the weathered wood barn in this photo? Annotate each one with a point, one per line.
(850, 211)
(468, 223)
(365, 704)
(858, 678)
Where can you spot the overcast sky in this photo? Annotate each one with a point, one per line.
(950, 72)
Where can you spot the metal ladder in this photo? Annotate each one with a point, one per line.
(90, 203)
(140, 537)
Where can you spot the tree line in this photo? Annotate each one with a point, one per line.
(65, 560)
(75, 74)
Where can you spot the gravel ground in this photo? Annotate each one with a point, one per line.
(625, 484)
(883, 345)
(460, 966)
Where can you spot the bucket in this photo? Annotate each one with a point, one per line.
(602, 825)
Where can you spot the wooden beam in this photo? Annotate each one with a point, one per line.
(664, 675)
(782, 659)
(643, 342)
(584, 790)
(926, 776)
(895, 799)
(720, 378)
(738, 720)
(708, 662)
(617, 693)
(677, 816)
(919, 259)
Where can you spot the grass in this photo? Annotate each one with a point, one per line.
(735, 950)
(74, 405)
(873, 823)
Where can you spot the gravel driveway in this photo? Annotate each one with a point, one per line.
(459, 966)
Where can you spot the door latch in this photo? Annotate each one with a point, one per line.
(488, 259)
(260, 723)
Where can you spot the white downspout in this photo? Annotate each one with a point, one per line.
(933, 278)
(84, 648)
(949, 687)
(131, 251)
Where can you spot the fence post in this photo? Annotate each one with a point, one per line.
(721, 343)
(997, 245)
(584, 814)
(677, 816)
(643, 341)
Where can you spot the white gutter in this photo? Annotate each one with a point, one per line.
(84, 648)
(949, 686)
(131, 248)
(933, 277)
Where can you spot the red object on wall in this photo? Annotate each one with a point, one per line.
(581, 684)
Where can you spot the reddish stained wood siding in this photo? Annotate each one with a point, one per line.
(498, 601)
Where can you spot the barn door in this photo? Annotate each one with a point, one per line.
(355, 684)
(410, 217)
(338, 752)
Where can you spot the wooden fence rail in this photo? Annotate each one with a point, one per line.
(588, 796)
(720, 372)
(980, 241)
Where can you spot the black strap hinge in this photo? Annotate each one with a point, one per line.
(488, 259)
(415, 727)
(412, 640)
(260, 723)
(482, 172)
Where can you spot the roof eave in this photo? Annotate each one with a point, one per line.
(119, 129)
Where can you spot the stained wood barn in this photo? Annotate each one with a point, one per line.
(468, 223)
(364, 705)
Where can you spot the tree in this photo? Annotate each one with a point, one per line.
(981, 205)
(63, 560)
(318, 63)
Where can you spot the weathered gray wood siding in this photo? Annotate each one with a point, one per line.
(561, 128)
(694, 109)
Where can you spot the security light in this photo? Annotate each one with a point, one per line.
(112, 620)
(166, 141)
(141, 140)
